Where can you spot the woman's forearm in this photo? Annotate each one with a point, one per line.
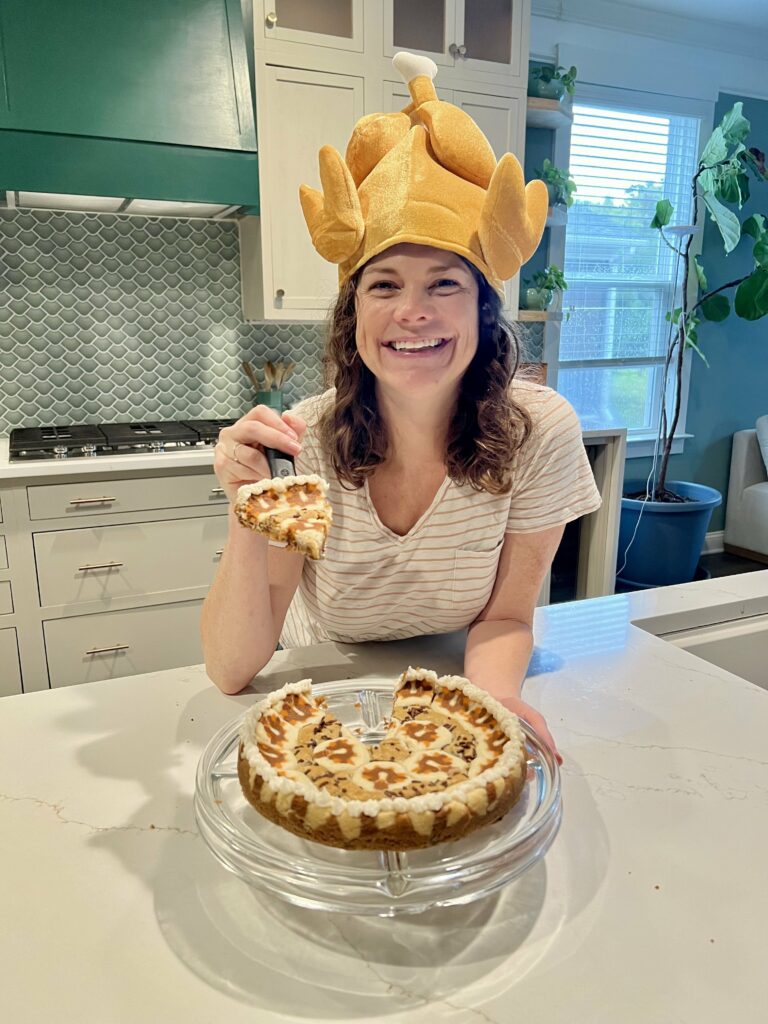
(497, 655)
(237, 626)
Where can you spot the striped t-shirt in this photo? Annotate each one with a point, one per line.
(376, 585)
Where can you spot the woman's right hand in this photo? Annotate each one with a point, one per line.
(239, 453)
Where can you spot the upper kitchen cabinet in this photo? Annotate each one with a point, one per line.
(471, 36)
(169, 71)
(337, 24)
(299, 111)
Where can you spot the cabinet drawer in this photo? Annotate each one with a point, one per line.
(97, 497)
(10, 672)
(6, 598)
(3, 554)
(106, 562)
(125, 643)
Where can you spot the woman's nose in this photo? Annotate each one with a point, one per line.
(413, 305)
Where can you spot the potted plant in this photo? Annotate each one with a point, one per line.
(560, 185)
(550, 82)
(539, 290)
(664, 522)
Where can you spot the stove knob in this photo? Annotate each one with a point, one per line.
(88, 449)
(156, 446)
(60, 451)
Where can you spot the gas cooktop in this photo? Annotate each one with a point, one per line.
(84, 440)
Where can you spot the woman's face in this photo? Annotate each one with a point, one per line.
(417, 319)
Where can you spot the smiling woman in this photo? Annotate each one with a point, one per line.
(450, 480)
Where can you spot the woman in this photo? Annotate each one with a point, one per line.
(450, 485)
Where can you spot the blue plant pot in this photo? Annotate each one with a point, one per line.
(669, 537)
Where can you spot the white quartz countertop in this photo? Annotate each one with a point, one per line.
(649, 908)
(98, 465)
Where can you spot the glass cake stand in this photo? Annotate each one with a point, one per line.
(322, 877)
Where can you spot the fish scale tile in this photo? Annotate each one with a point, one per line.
(138, 317)
(153, 300)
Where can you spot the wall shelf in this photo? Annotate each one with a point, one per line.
(538, 316)
(547, 113)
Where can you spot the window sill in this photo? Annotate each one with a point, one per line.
(643, 446)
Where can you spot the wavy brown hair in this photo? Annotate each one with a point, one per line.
(487, 427)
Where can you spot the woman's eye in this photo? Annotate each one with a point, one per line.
(446, 282)
(382, 286)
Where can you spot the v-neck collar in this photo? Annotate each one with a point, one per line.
(401, 539)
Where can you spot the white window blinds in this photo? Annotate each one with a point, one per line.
(620, 273)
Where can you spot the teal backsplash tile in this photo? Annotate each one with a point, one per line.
(121, 318)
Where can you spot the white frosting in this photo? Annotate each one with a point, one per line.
(506, 720)
(280, 484)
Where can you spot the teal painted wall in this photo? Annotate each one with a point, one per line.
(733, 392)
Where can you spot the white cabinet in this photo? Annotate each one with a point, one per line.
(337, 24)
(10, 672)
(298, 112)
(485, 36)
(319, 68)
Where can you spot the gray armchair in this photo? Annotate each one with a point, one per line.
(746, 514)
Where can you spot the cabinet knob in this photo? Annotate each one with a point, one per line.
(280, 293)
(453, 50)
(462, 51)
(271, 19)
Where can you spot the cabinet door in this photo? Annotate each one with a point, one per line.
(334, 23)
(173, 72)
(502, 120)
(426, 27)
(10, 672)
(299, 111)
(493, 36)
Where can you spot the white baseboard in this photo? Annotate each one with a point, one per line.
(713, 543)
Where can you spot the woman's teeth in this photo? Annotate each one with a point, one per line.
(416, 344)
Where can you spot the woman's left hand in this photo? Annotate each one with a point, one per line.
(534, 718)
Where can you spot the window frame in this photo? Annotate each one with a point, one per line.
(641, 445)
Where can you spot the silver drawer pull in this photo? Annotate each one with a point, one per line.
(217, 490)
(102, 565)
(107, 650)
(91, 501)
(219, 552)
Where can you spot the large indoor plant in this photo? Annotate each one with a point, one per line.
(664, 522)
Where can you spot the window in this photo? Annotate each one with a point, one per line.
(622, 277)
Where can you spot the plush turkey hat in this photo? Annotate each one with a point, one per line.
(426, 175)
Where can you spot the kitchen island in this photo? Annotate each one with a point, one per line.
(650, 907)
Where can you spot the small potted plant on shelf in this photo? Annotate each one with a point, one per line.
(560, 185)
(539, 290)
(549, 82)
(664, 522)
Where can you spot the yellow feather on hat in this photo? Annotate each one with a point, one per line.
(426, 175)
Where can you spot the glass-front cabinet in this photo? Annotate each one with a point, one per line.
(334, 23)
(476, 35)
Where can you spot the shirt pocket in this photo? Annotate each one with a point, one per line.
(474, 574)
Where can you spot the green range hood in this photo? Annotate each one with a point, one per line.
(149, 99)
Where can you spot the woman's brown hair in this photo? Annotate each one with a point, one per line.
(487, 428)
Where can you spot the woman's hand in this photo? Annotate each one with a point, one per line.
(239, 453)
(534, 718)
